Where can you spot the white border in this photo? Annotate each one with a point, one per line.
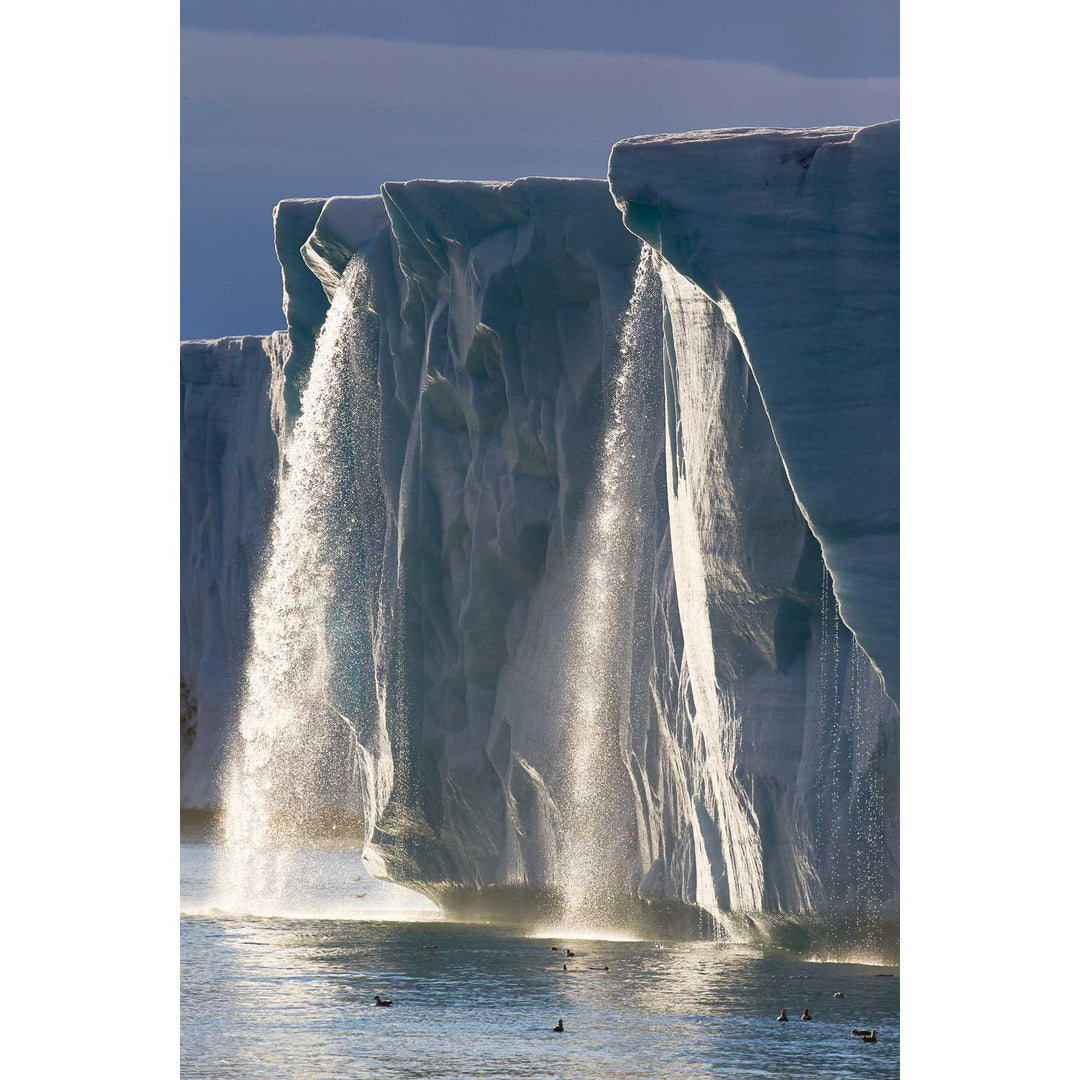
(988, 478)
(90, 446)
(90, 449)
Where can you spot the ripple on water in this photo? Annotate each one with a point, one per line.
(292, 997)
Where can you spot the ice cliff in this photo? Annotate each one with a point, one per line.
(797, 235)
(604, 644)
(228, 466)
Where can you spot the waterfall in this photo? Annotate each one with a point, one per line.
(707, 535)
(853, 802)
(873, 714)
(832, 725)
(308, 760)
(593, 866)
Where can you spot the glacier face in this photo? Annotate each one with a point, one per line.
(605, 643)
(798, 232)
(500, 308)
(506, 304)
(801, 726)
(230, 417)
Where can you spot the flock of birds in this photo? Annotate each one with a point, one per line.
(869, 1035)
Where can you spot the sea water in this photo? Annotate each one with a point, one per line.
(292, 996)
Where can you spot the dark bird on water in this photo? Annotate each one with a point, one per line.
(564, 967)
(783, 1015)
(382, 1001)
(872, 1037)
(431, 946)
(806, 1015)
(554, 948)
(558, 1026)
(838, 994)
(861, 1031)
(569, 953)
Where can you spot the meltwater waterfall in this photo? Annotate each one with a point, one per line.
(708, 392)
(309, 757)
(542, 620)
(853, 788)
(593, 864)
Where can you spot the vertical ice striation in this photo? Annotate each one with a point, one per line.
(309, 756)
(707, 400)
(230, 424)
(798, 232)
(501, 308)
(550, 555)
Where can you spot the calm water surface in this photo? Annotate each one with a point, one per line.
(292, 997)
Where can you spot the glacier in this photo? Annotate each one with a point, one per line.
(230, 419)
(628, 631)
(804, 247)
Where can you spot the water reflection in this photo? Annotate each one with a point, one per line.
(289, 997)
(293, 998)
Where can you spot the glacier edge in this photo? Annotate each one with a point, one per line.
(498, 306)
(799, 232)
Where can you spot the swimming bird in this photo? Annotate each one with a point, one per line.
(569, 953)
(554, 948)
(860, 1031)
(382, 1001)
(783, 1015)
(806, 1015)
(564, 967)
(872, 1037)
(838, 994)
(431, 946)
(558, 1026)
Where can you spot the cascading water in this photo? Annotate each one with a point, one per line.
(871, 712)
(706, 537)
(309, 759)
(854, 719)
(830, 723)
(593, 866)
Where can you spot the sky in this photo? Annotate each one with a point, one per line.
(284, 99)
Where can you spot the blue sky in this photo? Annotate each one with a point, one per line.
(333, 97)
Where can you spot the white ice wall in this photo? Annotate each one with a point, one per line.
(230, 410)
(500, 305)
(799, 232)
(758, 755)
